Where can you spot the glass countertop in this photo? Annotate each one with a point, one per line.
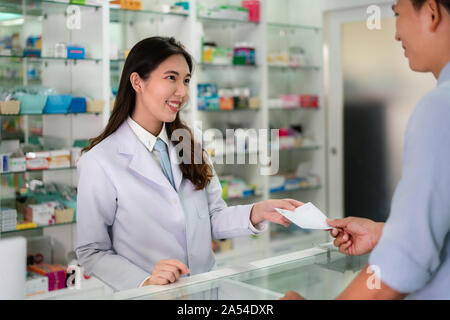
(319, 273)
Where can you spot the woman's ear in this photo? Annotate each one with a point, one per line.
(136, 81)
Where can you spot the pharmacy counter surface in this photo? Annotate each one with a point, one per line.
(317, 273)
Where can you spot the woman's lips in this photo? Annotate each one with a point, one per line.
(173, 106)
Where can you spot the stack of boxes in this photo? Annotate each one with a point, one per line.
(55, 274)
(8, 219)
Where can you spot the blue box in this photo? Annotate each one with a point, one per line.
(75, 52)
(58, 103)
(78, 105)
(36, 53)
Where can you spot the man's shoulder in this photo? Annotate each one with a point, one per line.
(433, 108)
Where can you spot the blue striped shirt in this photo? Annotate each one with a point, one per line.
(413, 254)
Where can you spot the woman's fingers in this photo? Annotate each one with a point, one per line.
(176, 263)
(168, 271)
(294, 202)
(283, 204)
(159, 280)
(278, 218)
(172, 269)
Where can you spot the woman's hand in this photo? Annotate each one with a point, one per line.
(167, 271)
(265, 210)
(355, 236)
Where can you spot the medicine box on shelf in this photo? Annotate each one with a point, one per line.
(10, 107)
(58, 103)
(78, 105)
(32, 103)
(75, 52)
(95, 106)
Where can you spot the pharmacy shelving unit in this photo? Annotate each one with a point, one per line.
(289, 26)
(66, 76)
(107, 33)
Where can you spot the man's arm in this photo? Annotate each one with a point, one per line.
(359, 288)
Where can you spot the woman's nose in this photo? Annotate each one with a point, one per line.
(181, 90)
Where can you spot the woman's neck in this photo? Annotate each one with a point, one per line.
(148, 122)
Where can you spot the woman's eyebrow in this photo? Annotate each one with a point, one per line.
(171, 71)
(176, 73)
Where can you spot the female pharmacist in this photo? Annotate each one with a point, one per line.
(143, 216)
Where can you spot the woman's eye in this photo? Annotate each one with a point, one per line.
(187, 81)
(171, 77)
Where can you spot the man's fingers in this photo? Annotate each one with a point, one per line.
(341, 239)
(334, 232)
(346, 247)
(340, 223)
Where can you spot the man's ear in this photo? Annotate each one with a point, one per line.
(433, 11)
(136, 81)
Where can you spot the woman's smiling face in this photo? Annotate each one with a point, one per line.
(164, 92)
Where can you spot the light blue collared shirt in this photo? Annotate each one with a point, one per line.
(413, 254)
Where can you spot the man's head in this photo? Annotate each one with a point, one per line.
(423, 27)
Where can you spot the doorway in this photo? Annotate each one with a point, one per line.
(371, 94)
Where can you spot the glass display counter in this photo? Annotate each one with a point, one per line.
(317, 273)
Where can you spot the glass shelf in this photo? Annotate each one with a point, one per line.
(39, 227)
(243, 198)
(118, 15)
(232, 110)
(47, 114)
(36, 8)
(212, 65)
(317, 187)
(294, 109)
(305, 148)
(292, 26)
(226, 20)
(40, 170)
(281, 67)
(311, 147)
(50, 58)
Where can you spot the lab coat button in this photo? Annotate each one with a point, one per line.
(175, 201)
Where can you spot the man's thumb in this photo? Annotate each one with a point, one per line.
(338, 223)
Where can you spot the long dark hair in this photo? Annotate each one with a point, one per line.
(418, 4)
(143, 58)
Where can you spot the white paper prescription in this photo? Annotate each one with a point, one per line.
(307, 216)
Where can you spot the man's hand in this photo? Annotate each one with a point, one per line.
(292, 295)
(355, 236)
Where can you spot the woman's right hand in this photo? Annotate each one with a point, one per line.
(355, 236)
(167, 271)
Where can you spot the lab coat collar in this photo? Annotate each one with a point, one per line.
(148, 139)
(142, 163)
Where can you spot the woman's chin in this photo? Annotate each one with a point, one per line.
(170, 118)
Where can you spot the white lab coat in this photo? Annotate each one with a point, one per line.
(129, 217)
